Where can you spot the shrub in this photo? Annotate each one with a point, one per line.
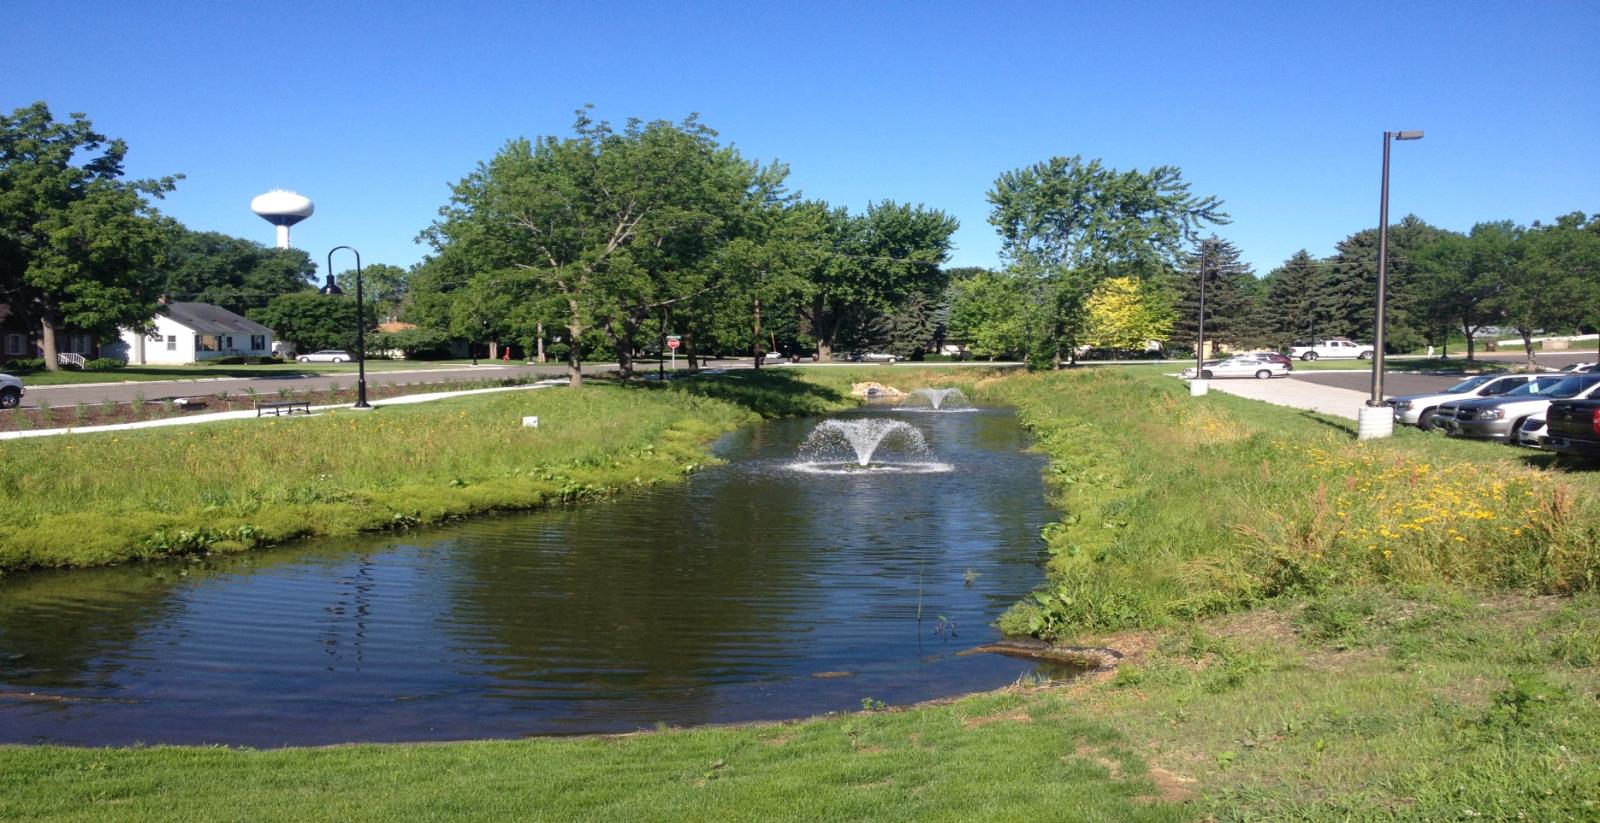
(243, 360)
(23, 365)
(103, 364)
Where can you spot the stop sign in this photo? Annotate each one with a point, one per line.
(672, 342)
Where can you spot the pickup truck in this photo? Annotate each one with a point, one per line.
(1573, 427)
(1333, 347)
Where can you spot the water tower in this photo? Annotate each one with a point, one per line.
(282, 209)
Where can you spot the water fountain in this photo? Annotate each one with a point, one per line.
(946, 399)
(830, 445)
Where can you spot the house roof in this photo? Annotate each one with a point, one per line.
(205, 318)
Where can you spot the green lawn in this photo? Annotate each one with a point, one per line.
(1313, 629)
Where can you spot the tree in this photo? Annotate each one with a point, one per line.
(78, 244)
(612, 224)
(1069, 225)
(1288, 312)
(1346, 299)
(1125, 314)
(1551, 269)
(311, 320)
(1231, 310)
(231, 272)
(988, 313)
(862, 267)
(383, 286)
(1458, 279)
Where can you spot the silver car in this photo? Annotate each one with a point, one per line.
(1417, 409)
(1530, 431)
(1497, 418)
(11, 391)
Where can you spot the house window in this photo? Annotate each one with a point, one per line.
(172, 342)
(258, 342)
(16, 343)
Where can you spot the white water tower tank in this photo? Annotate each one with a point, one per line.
(282, 209)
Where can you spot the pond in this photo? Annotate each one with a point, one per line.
(759, 589)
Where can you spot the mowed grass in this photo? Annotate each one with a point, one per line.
(993, 757)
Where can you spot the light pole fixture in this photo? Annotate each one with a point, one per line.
(361, 337)
(1375, 402)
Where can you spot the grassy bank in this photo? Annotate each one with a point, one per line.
(1312, 628)
(87, 500)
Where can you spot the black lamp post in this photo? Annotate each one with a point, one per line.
(1383, 267)
(1200, 334)
(361, 336)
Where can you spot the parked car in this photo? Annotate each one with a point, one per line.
(1417, 409)
(1241, 365)
(1579, 368)
(1495, 418)
(1573, 427)
(11, 391)
(1333, 347)
(1276, 357)
(872, 357)
(1531, 433)
(326, 356)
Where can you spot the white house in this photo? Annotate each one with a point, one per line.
(193, 333)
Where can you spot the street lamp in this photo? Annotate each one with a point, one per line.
(1376, 420)
(361, 337)
(1197, 386)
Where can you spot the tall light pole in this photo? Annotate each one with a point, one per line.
(1200, 326)
(1372, 417)
(361, 336)
(1198, 386)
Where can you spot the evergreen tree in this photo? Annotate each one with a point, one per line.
(1286, 314)
(1347, 300)
(1230, 295)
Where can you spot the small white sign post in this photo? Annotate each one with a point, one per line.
(672, 343)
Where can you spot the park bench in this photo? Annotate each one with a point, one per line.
(280, 407)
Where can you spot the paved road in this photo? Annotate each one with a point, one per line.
(60, 396)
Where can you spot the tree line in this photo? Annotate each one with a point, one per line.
(601, 242)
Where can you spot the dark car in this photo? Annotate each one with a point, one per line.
(1573, 427)
(1275, 357)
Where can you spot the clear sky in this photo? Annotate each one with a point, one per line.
(373, 109)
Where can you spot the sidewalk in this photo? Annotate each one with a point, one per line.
(246, 414)
(1297, 394)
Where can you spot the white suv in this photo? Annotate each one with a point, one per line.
(1333, 347)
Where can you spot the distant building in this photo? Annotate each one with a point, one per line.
(194, 333)
(20, 339)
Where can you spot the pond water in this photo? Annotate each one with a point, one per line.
(753, 591)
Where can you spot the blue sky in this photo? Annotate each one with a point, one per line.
(374, 109)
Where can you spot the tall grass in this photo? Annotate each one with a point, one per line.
(1177, 507)
(95, 499)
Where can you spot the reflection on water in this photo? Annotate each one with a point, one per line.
(751, 592)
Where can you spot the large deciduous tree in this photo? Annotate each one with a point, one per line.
(231, 272)
(78, 243)
(612, 224)
(1068, 225)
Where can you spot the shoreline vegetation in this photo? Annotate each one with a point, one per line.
(1311, 628)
